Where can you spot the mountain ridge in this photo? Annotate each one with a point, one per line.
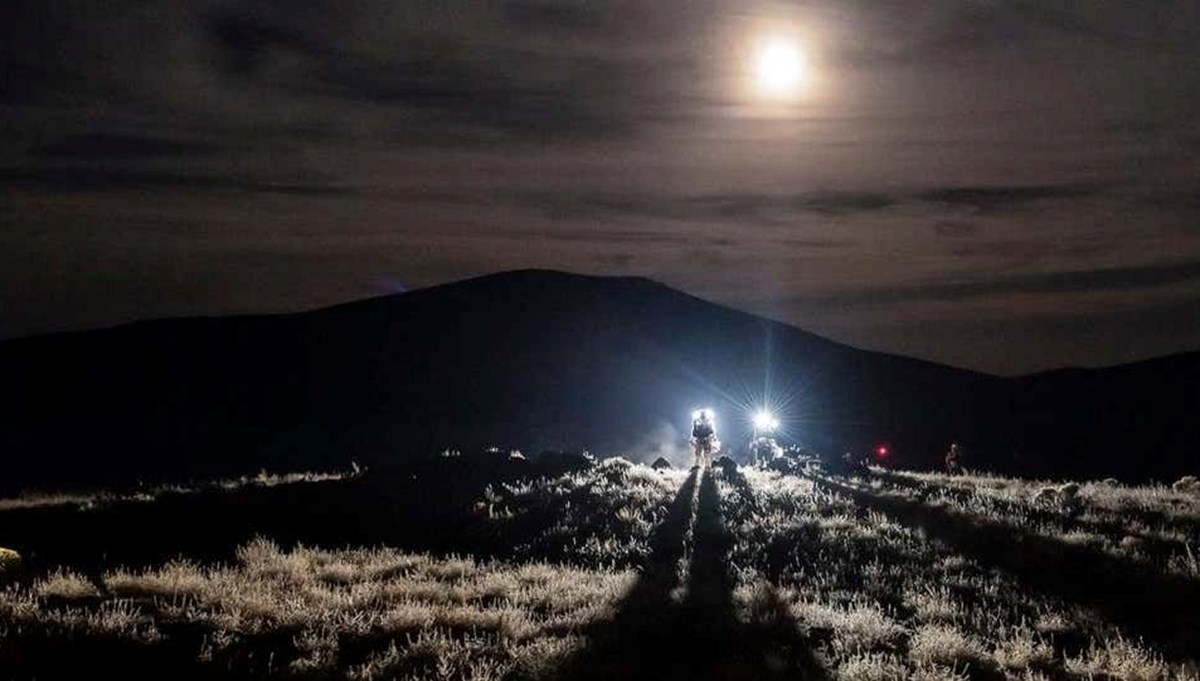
(537, 359)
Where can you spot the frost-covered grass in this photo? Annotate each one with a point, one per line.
(308, 613)
(882, 597)
(1153, 525)
(362, 613)
(601, 516)
(747, 574)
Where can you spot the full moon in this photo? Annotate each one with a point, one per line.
(781, 68)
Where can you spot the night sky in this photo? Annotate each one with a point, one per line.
(1004, 186)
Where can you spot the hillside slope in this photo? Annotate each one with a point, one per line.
(534, 359)
(1135, 421)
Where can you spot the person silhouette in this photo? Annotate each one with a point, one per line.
(954, 460)
(704, 438)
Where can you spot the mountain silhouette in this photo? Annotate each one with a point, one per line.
(544, 360)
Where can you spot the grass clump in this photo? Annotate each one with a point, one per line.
(65, 585)
(362, 613)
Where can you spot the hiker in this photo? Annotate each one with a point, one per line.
(763, 451)
(704, 437)
(954, 460)
(853, 464)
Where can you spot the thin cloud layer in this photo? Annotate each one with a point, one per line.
(955, 167)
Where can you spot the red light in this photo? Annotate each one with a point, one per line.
(882, 451)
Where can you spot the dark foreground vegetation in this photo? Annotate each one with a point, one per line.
(452, 570)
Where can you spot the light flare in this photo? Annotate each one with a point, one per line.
(765, 421)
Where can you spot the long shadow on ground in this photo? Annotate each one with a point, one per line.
(679, 620)
(1162, 608)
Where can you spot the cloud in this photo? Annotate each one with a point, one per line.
(771, 208)
(442, 71)
(107, 146)
(941, 32)
(104, 178)
(246, 41)
(617, 261)
(1178, 201)
(1029, 250)
(555, 17)
(780, 208)
(1069, 281)
(818, 244)
(447, 79)
(954, 228)
(605, 236)
(995, 199)
(838, 203)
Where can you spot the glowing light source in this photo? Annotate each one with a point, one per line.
(703, 411)
(781, 68)
(765, 421)
(882, 451)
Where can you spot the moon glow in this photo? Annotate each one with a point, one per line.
(781, 69)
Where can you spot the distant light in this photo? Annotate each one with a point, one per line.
(882, 451)
(765, 420)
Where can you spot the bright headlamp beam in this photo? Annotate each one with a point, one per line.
(765, 420)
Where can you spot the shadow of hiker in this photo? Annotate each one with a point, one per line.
(748, 508)
(1163, 608)
(679, 620)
